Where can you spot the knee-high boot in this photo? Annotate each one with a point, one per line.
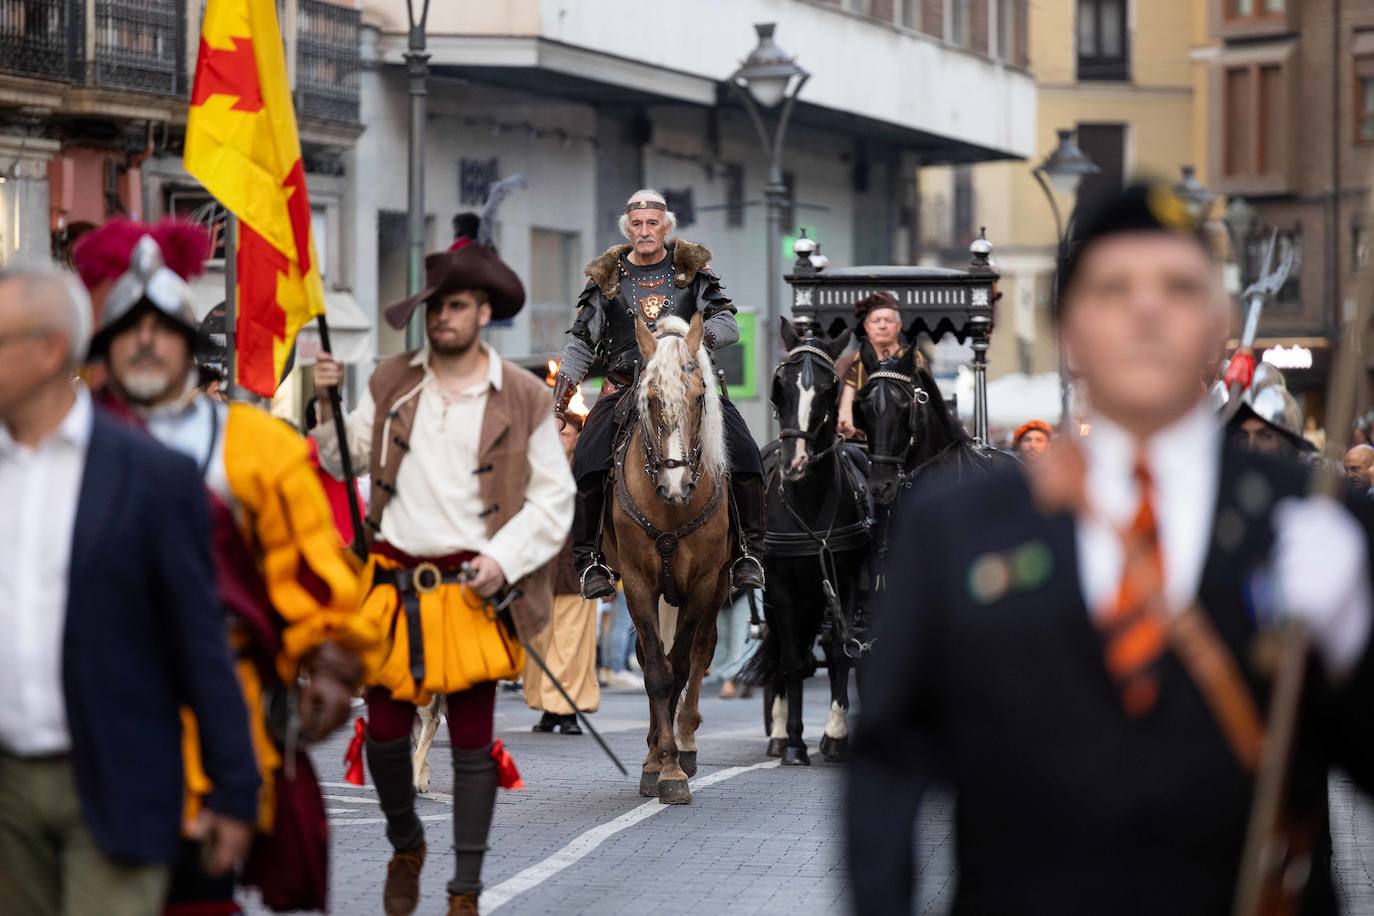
(474, 801)
(392, 774)
(751, 523)
(586, 531)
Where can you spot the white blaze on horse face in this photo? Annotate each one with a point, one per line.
(837, 722)
(675, 480)
(779, 717)
(806, 394)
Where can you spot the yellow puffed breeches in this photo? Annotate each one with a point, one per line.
(463, 645)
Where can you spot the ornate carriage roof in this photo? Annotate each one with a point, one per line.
(934, 300)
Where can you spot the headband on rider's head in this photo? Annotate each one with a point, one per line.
(645, 205)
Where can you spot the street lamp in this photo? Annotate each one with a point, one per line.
(769, 79)
(1064, 170)
(417, 66)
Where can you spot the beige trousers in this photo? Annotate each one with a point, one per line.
(49, 863)
(568, 646)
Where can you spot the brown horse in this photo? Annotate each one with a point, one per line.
(669, 537)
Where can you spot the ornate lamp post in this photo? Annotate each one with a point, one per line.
(770, 79)
(417, 65)
(1063, 170)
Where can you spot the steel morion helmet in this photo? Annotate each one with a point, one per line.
(129, 267)
(1275, 406)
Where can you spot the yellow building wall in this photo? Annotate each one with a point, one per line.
(1164, 109)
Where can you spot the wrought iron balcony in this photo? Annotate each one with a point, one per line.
(140, 45)
(327, 61)
(41, 38)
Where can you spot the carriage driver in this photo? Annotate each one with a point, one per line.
(652, 277)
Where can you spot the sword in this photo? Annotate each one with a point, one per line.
(499, 604)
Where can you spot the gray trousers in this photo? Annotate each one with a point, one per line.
(49, 863)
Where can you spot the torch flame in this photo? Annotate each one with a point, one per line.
(578, 405)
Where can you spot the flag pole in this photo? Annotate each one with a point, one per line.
(355, 513)
(231, 282)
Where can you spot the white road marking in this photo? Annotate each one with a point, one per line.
(358, 821)
(582, 845)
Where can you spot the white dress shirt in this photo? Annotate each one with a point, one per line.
(39, 488)
(1184, 464)
(1318, 565)
(436, 509)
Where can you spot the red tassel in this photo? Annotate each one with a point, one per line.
(353, 757)
(1241, 369)
(507, 776)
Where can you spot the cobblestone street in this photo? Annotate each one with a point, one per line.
(757, 838)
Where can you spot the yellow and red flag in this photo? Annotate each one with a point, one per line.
(242, 145)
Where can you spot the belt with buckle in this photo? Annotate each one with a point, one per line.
(410, 584)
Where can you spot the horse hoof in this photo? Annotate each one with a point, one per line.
(674, 792)
(688, 761)
(795, 757)
(648, 784)
(775, 746)
(836, 750)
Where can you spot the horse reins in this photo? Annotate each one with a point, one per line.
(666, 543)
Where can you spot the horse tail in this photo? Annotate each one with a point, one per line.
(764, 667)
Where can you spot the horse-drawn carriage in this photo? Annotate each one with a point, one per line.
(824, 552)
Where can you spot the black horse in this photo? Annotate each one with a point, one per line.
(910, 432)
(819, 530)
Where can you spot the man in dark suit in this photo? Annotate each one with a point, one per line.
(1069, 648)
(111, 622)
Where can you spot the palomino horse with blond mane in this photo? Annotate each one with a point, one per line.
(670, 538)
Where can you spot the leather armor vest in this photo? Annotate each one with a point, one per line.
(651, 295)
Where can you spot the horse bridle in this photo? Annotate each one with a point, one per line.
(796, 355)
(653, 462)
(918, 398)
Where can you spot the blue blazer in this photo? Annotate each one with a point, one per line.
(145, 634)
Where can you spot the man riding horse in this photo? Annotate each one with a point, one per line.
(651, 278)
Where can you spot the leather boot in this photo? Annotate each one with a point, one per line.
(392, 774)
(474, 801)
(751, 521)
(596, 575)
(463, 905)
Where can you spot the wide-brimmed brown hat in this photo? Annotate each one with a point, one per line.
(471, 267)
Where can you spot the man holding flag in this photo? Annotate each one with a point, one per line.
(281, 567)
(282, 571)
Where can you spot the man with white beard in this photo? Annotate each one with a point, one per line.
(283, 576)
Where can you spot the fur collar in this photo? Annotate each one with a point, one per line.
(688, 259)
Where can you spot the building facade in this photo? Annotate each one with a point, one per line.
(593, 100)
(93, 100)
(1121, 74)
(1290, 124)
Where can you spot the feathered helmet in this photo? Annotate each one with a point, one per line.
(129, 267)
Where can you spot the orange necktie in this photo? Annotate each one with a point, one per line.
(1136, 628)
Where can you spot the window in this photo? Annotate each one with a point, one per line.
(1105, 145)
(963, 206)
(1000, 13)
(1103, 52)
(1364, 89)
(956, 22)
(555, 258)
(1254, 9)
(1254, 92)
(910, 14)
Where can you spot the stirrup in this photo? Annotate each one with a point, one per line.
(595, 564)
(750, 558)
